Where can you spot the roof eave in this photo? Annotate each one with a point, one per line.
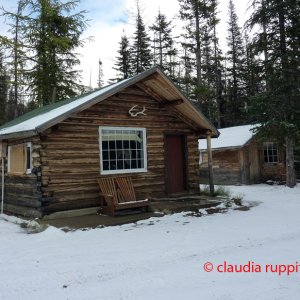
(18, 135)
(210, 126)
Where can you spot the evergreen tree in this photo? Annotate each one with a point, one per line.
(122, 65)
(163, 44)
(140, 50)
(200, 31)
(186, 66)
(217, 68)
(192, 12)
(277, 107)
(236, 60)
(54, 35)
(252, 74)
(17, 57)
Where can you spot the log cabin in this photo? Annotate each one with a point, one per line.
(143, 126)
(240, 158)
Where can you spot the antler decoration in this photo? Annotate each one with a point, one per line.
(136, 113)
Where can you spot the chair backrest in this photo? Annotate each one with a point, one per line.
(108, 188)
(125, 189)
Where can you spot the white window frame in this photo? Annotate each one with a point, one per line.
(29, 145)
(124, 171)
(267, 146)
(28, 171)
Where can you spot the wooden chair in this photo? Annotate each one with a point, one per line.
(118, 193)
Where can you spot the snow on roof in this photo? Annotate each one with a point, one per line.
(231, 137)
(32, 123)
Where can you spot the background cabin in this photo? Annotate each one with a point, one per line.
(142, 126)
(239, 158)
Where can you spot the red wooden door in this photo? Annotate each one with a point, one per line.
(175, 163)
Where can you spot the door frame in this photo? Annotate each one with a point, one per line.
(185, 160)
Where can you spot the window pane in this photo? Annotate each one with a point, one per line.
(104, 145)
(113, 164)
(105, 155)
(105, 165)
(112, 154)
(112, 145)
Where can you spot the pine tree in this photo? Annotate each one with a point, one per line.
(277, 107)
(54, 35)
(17, 57)
(252, 74)
(163, 44)
(200, 32)
(191, 11)
(236, 60)
(140, 50)
(122, 65)
(186, 66)
(217, 68)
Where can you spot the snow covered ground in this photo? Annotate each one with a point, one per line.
(162, 258)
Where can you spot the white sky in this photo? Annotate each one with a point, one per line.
(108, 19)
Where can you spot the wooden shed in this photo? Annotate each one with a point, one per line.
(239, 158)
(143, 126)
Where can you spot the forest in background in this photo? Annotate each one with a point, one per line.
(256, 81)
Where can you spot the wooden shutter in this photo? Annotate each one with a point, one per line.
(18, 159)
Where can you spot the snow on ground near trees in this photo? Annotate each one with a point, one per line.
(160, 258)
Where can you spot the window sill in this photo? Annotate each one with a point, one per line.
(112, 172)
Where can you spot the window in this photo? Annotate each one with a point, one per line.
(122, 150)
(20, 159)
(270, 153)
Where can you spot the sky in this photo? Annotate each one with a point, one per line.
(108, 19)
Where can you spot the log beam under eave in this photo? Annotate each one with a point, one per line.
(171, 103)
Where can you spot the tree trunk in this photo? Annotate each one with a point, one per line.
(16, 63)
(198, 56)
(290, 170)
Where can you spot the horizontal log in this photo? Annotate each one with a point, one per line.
(22, 200)
(22, 210)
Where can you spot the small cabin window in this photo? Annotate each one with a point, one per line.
(20, 159)
(122, 150)
(270, 152)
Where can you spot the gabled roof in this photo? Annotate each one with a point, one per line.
(153, 81)
(231, 137)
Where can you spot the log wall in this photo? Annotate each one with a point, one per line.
(226, 167)
(70, 159)
(23, 194)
